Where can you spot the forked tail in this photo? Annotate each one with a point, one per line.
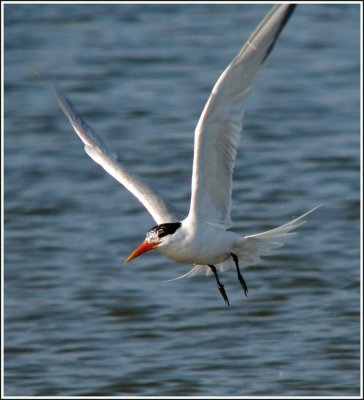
(250, 248)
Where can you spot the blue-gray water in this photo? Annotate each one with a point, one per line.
(79, 322)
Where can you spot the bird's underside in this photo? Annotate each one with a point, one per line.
(248, 250)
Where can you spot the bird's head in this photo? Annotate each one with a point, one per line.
(156, 237)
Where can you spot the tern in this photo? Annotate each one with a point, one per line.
(204, 238)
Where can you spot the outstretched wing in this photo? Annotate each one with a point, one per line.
(97, 149)
(220, 124)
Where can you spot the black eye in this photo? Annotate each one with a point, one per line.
(165, 229)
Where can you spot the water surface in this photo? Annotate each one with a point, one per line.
(79, 322)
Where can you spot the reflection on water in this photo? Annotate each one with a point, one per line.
(78, 322)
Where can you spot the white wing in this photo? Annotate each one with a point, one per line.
(220, 123)
(97, 149)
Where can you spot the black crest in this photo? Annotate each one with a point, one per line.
(164, 229)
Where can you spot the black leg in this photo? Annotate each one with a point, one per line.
(240, 276)
(220, 286)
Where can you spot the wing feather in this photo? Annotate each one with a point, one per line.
(220, 124)
(159, 208)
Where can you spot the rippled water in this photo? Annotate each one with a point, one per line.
(79, 322)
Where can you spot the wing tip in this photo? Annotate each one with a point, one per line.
(284, 19)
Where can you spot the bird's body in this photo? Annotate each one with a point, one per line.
(203, 238)
(199, 244)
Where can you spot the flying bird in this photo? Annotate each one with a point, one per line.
(203, 237)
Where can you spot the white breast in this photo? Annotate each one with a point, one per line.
(199, 244)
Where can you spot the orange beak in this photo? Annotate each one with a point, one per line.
(144, 247)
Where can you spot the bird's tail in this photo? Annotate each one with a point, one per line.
(250, 249)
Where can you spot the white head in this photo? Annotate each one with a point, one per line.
(156, 237)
